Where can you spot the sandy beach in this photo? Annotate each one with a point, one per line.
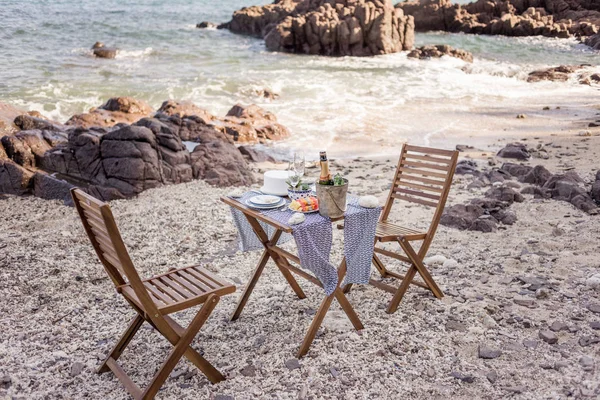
(428, 349)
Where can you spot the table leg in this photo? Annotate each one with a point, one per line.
(250, 285)
(325, 304)
(278, 260)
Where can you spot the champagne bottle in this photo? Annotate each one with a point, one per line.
(325, 177)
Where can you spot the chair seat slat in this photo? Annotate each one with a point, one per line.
(201, 278)
(166, 289)
(191, 288)
(178, 287)
(192, 279)
(166, 300)
(214, 278)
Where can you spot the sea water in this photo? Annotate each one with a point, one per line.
(350, 106)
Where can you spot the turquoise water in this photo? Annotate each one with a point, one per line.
(46, 64)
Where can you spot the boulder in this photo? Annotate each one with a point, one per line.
(206, 25)
(50, 187)
(594, 194)
(101, 51)
(220, 164)
(116, 110)
(517, 151)
(461, 216)
(255, 155)
(537, 176)
(567, 188)
(561, 73)
(185, 109)
(27, 122)
(437, 51)
(593, 41)
(14, 179)
(251, 124)
(8, 114)
(323, 27)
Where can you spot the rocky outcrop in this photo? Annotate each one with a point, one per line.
(517, 151)
(115, 111)
(206, 25)
(325, 27)
(13, 120)
(437, 51)
(551, 18)
(584, 74)
(120, 161)
(185, 109)
(593, 41)
(101, 51)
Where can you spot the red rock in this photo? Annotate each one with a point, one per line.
(116, 110)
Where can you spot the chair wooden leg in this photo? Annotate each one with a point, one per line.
(393, 305)
(380, 267)
(181, 347)
(116, 352)
(250, 285)
(418, 263)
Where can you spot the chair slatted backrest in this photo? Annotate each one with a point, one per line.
(100, 226)
(423, 176)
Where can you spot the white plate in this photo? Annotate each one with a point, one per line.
(265, 200)
(300, 211)
(268, 207)
(262, 189)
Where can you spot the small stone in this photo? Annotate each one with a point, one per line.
(462, 377)
(530, 303)
(595, 308)
(515, 389)
(559, 326)
(292, 364)
(595, 325)
(585, 341)
(237, 280)
(541, 294)
(249, 370)
(452, 325)
(430, 373)
(530, 344)
(76, 368)
(586, 362)
(492, 376)
(560, 365)
(521, 116)
(224, 397)
(593, 281)
(488, 353)
(334, 372)
(5, 382)
(546, 108)
(178, 373)
(548, 336)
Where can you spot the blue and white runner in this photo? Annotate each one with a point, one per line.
(314, 239)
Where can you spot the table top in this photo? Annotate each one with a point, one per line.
(260, 216)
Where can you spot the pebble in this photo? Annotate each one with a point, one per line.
(585, 341)
(529, 303)
(487, 353)
(586, 362)
(334, 372)
(593, 281)
(530, 344)
(76, 368)
(595, 325)
(249, 370)
(548, 336)
(492, 376)
(462, 377)
(292, 364)
(515, 389)
(5, 382)
(595, 308)
(541, 294)
(455, 326)
(559, 326)
(224, 397)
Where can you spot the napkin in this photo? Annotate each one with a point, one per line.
(296, 218)
(368, 202)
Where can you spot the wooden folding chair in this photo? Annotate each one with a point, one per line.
(153, 299)
(423, 176)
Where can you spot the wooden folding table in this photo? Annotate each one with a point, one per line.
(282, 259)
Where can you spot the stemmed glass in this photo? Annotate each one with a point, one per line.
(299, 164)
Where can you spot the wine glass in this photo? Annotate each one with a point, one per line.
(294, 178)
(299, 164)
